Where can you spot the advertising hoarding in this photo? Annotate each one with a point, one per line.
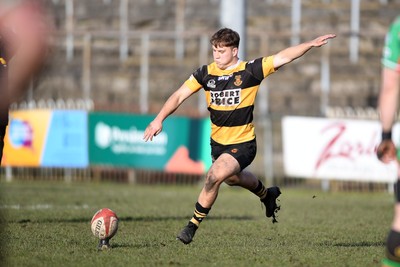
(46, 138)
(116, 139)
(340, 149)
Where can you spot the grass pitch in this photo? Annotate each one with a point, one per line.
(48, 224)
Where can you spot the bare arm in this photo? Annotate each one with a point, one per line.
(173, 102)
(388, 98)
(289, 54)
(388, 102)
(387, 106)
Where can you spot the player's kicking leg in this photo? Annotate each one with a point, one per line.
(268, 196)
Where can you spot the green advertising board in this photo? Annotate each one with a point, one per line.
(116, 139)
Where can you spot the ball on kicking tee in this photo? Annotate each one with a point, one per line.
(104, 224)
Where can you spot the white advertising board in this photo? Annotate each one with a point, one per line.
(339, 149)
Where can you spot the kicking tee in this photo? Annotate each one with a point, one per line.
(391, 50)
(230, 96)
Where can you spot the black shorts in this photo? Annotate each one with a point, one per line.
(244, 153)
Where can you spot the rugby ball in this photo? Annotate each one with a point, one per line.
(104, 224)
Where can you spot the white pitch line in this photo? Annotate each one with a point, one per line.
(41, 207)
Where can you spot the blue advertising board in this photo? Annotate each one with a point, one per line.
(66, 143)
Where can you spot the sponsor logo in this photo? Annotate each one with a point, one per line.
(226, 97)
(128, 141)
(223, 78)
(211, 84)
(20, 134)
(97, 231)
(339, 147)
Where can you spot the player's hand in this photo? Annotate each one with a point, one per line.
(322, 40)
(386, 151)
(153, 129)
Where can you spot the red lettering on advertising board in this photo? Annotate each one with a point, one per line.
(340, 147)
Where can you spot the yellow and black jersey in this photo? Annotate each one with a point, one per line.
(230, 96)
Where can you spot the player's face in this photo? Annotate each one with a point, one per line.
(224, 56)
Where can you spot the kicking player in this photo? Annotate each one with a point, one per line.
(230, 85)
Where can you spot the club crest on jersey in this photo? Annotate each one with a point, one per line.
(211, 83)
(238, 80)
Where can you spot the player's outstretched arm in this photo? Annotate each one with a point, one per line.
(289, 54)
(173, 102)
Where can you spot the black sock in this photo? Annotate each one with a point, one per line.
(199, 214)
(260, 190)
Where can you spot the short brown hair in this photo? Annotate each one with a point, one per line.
(225, 37)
